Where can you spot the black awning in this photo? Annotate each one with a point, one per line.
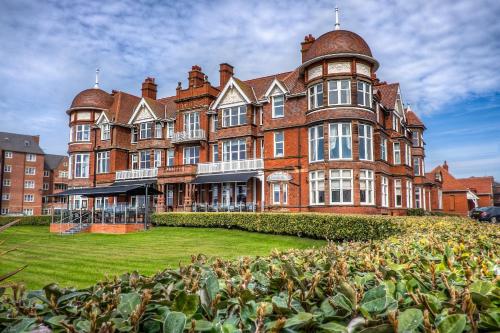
(112, 190)
(224, 178)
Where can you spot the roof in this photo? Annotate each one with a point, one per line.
(20, 143)
(170, 104)
(92, 98)
(335, 42)
(479, 185)
(413, 119)
(260, 85)
(449, 182)
(51, 161)
(389, 93)
(123, 107)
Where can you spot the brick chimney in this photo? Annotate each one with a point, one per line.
(306, 44)
(445, 166)
(149, 88)
(196, 77)
(226, 72)
(36, 138)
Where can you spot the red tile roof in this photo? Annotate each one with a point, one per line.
(450, 183)
(92, 98)
(261, 84)
(123, 107)
(389, 93)
(413, 119)
(480, 185)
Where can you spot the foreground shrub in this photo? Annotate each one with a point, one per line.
(26, 220)
(439, 277)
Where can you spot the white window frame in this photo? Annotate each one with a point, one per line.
(81, 164)
(279, 144)
(134, 161)
(30, 157)
(215, 122)
(344, 177)
(146, 130)
(28, 211)
(316, 143)
(170, 129)
(398, 191)
(418, 197)
(105, 132)
(145, 159)
(409, 194)
(315, 97)
(6, 182)
(134, 135)
(364, 89)
(341, 138)
(365, 134)
(383, 149)
(8, 154)
(335, 88)
(408, 156)
(396, 153)
(29, 184)
(46, 186)
(191, 122)
(46, 173)
(234, 116)
(29, 198)
(158, 130)
(416, 166)
(366, 177)
(157, 158)
(4, 211)
(316, 185)
(384, 189)
(275, 190)
(7, 168)
(82, 133)
(395, 122)
(215, 152)
(278, 106)
(440, 199)
(30, 171)
(6, 196)
(194, 155)
(228, 149)
(170, 157)
(103, 159)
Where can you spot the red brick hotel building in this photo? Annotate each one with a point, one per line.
(327, 136)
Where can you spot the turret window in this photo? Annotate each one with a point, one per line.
(82, 133)
(364, 94)
(278, 106)
(316, 144)
(366, 188)
(340, 141)
(365, 142)
(316, 96)
(339, 92)
(341, 186)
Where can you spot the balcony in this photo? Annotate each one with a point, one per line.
(136, 174)
(231, 166)
(188, 136)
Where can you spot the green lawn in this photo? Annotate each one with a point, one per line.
(84, 259)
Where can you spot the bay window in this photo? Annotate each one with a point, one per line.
(146, 130)
(234, 116)
(103, 162)
(170, 129)
(81, 165)
(145, 159)
(415, 137)
(215, 153)
(384, 191)
(418, 197)
(234, 150)
(364, 94)
(416, 166)
(133, 135)
(134, 158)
(157, 158)
(341, 186)
(407, 154)
(366, 188)
(83, 133)
(105, 132)
(383, 149)
(191, 155)
(158, 130)
(170, 157)
(279, 144)
(278, 106)
(365, 142)
(316, 96)
(215, 123)
(340, 141)
(316, 143)
(317, 187)
(339, 92)
(398, 193)
(397, 153)
(409, 194)
(191, 122)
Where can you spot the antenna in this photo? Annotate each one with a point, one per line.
(337, 23)
(96, 85)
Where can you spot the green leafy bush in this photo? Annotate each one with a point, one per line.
(324, 226)
(439, 276)
(27, 220)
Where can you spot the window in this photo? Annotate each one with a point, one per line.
(29, 198)
(407, 154)
(440, 199)
(285, 193)
(170, 129)
(215, 123)
(8, 154)
(316, 143)
(384, 191)
(409, 194)
(6, 182)
(415, 137)
(261, 115)
(28, 211)
(397, 153)
(278, 106)
(276, 193)
(383, 149)
(170, 195)
(215, 153)
(279, 193)
(279, 144)
(340, 141)
(158, 131)
(317, 187)
(46, 173)
(339, 92)
(234, 150)
(364, 94)
(365, 142)
(30, 157)
(340, 186)
(81, 165)
(416, 166)
(103, 162)
(6, 196)
(366, 190)
(235, 116)
(191, 155)
(395, 122)
(191, 122)
(105, 132)
(145, 159)
(418, 197)
(63, 174)
(134, 160)
(133, 137)
(7, 168)
(170, 157)
(146, 130)
(82, 133)
(157, 158)
(30, 171)
(4, 211)
(45, 186)
(316, 96)
(398, 196)
(29, 184)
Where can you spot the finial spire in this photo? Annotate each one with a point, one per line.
(96, 85)
(337, 22)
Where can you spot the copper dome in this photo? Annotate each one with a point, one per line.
(92, 98)
(336, 42)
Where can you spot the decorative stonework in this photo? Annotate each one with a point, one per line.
(315, 72)
(144, 114)
(362, 69)
(339, 67)
(232, 96)
(84, 115)
(276, 91)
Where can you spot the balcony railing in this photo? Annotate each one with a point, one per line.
(136, 174)
(186, 136)
(242, 165)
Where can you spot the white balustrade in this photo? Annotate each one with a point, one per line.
(192, 135)
(136, 174)
(241, 165)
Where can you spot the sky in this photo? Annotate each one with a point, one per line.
(444, 53)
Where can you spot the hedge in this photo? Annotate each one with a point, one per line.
(322, 226)
(27, 220)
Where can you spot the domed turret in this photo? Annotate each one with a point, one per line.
(92, 98)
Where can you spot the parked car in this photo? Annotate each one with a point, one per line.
(490, 214)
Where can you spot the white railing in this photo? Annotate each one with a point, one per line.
(192, 135)
(136, 174)
(242, 165)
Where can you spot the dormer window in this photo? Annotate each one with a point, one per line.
(339, 92)
(364, 94)
(316, 96)
(146, 131)
(278, 106)
(105, 132)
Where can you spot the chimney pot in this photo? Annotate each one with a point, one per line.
(149, 88)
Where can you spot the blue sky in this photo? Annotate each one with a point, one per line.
(445, 54)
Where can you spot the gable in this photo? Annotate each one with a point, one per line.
(142, 113)
(103, 119)
(232, 96)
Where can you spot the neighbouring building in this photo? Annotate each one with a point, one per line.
(55, 180)
(482, 187)
(496, 194)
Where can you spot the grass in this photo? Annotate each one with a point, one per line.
(83, 259)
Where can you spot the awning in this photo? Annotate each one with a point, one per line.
(224, 178)
(117, 188)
